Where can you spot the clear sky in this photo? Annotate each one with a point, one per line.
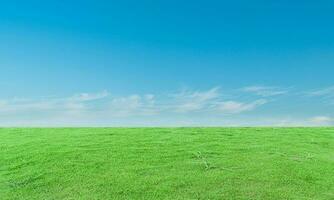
(166, 63)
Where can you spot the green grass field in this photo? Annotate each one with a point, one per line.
(171, 163)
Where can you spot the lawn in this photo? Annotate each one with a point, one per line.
(167, 163)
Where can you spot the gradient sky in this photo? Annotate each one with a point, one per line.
(167, 63)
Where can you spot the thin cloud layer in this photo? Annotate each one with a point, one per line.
(133, 105)
(329, 91)
(325, 94)
(89, 96)
(322, 120)
(186, 101)
(189, 101)
(265, 91)
(234, 107)
(196, 107)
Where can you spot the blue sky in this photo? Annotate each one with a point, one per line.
(166, 63)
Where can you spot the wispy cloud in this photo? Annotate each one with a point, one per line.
(325, 94)
(329, 91)
(186, 101)
(233, 107)
(89, 96)
(71, 104)
(133, 105)
(322, 120)
(189, 101)
(8, 106)
(82, 108)
(264, 91)
(213, 101)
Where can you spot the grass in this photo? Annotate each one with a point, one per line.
(171, 163)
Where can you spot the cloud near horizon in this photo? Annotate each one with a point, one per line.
(322, 120)
(102, 106)
(92, 105)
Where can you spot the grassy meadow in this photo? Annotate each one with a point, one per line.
(166, 163)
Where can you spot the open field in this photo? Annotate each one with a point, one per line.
(172, 163)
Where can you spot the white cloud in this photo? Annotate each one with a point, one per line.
(325, 94)
(14, 107)
(133, 105)
(188, 101)
(149, 97)
(329, 91)
(322, 120)
(264, 91)
(101, 107)
(234, 107)
(89, 96)
(71, 104)
(211, 101)
(125, 106)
